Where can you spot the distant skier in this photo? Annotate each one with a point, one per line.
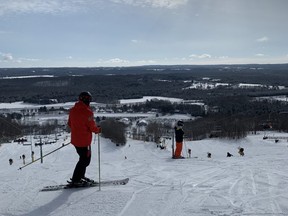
(23, 158)
(32, 155)
(209, 155)
(82, 125)
(162, 143)
(179, 133)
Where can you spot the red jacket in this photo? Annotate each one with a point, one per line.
(82, 124)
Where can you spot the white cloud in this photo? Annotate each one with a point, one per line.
(113, 61)
(135, 41)
(203, 56)
(117, 60)
(262, 39)
(223, 57)
(145, 62)
(25, 6)
(123, 62)
(259, 55)
(59, 6)
(7, 56)
(45, 6)
(154, 3)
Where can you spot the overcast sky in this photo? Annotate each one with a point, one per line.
(88, 33)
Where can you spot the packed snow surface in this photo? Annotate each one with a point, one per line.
(256, 184)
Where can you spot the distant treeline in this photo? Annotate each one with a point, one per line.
(108, 85)
(234, 117)
(11, 127)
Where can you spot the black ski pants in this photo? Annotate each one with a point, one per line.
(84, 161)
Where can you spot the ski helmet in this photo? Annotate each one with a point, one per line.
(85, 97)
(180, 123)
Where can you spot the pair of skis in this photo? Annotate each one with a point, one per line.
(86, 185)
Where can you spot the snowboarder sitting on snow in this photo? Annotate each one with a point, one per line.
(209, 155)
(241, 151)
(162, 144)
(189, 153)
(179, 133)
(82, 125)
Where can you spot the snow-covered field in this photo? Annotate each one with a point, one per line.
(256, 184)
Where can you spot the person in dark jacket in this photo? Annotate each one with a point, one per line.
(82, 125)
(179, 133)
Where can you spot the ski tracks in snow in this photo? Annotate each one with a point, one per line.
(253, 185)
(222, 188)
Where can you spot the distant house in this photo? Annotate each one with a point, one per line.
(126, 121)
(141, 126)
(142, 123)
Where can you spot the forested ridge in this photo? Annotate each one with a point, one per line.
(111, 84)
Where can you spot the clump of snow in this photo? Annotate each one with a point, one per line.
(21, 105)
(206, 85)
(27, 77)
(149, 98)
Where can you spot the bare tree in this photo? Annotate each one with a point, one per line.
(114, 130)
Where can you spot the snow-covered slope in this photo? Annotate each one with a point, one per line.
(256, 184)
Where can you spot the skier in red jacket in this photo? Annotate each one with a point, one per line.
(82, 125)
(179, 133)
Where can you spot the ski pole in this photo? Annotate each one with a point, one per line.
(172, 145)
(173, 139)
(99, 166)
(185, 148)
(63, 145)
